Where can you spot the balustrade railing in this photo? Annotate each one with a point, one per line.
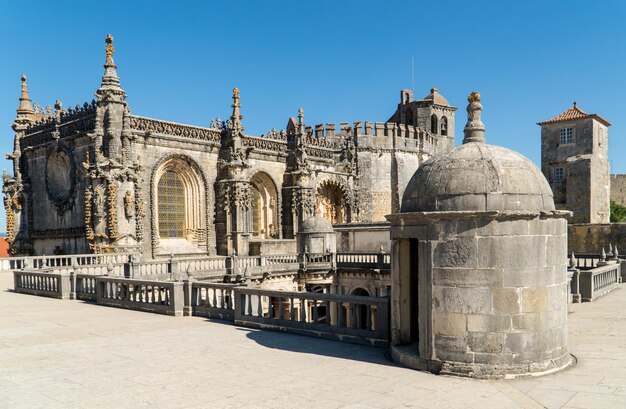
(152, 296)
(211, 300)
(151, 268)
(205, 264)
(54, 285)
(85, 287)
(318, 257)
(355, 319)
(279, 259)
(599, 281)
(380, 261)
(44, 262)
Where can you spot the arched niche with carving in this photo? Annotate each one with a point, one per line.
(264, 207)
(331, 202)
(60, 177)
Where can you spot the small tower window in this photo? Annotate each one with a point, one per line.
(600, 136)
(566, 135)
(434, 126)
(444, 126)
(408, 117)
(559, 175)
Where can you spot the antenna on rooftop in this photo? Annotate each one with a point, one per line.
(412, 74)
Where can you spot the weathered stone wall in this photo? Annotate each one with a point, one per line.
(618, 189)
(591, 238)
(353, 282)
(499, 294)
(363, 237)
(57, 226)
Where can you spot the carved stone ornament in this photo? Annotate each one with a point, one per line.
(129, 204)
(99, 201)
(60, 178)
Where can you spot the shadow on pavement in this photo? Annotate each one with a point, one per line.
(318, 346)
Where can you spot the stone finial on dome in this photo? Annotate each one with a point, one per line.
(474, 128)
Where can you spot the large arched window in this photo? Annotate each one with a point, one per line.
(264, 207)
(179, 197)
(171, 196)
(434, 126)
(444, 125)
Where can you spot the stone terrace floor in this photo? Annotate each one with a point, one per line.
(58, 354)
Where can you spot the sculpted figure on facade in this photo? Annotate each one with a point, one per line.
(129, 204)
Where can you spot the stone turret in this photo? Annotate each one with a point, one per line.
(478, 272)
(433, 114)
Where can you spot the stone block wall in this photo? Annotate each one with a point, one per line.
(499, 295)
(591, 238)
(618, 189)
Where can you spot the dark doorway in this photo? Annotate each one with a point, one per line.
(413, 288)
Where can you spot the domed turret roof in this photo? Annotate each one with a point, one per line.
(436, 97)
(477, 177)
(316, 224)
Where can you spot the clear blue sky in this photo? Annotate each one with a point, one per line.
(340, 61)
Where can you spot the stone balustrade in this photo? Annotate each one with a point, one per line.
(599, 281)
(85, 287)
(210, 300)
(204, 264)
(162, 297)
(124, 264)
(355, 319)
(47, 284)
(42, 262)
(378, 261)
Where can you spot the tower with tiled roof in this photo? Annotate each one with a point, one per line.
(574, 159)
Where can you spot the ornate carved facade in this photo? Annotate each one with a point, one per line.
(90, 178)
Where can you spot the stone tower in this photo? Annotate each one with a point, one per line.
(574, 159)
(432, 113)
(479, 275)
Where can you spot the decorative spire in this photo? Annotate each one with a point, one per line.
(434, 90)
(574, 104)
(300, 121)
(110, 80)
(236, 117)
(474, 128)
(25, 109)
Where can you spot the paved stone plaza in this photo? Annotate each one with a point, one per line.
(73, 354)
